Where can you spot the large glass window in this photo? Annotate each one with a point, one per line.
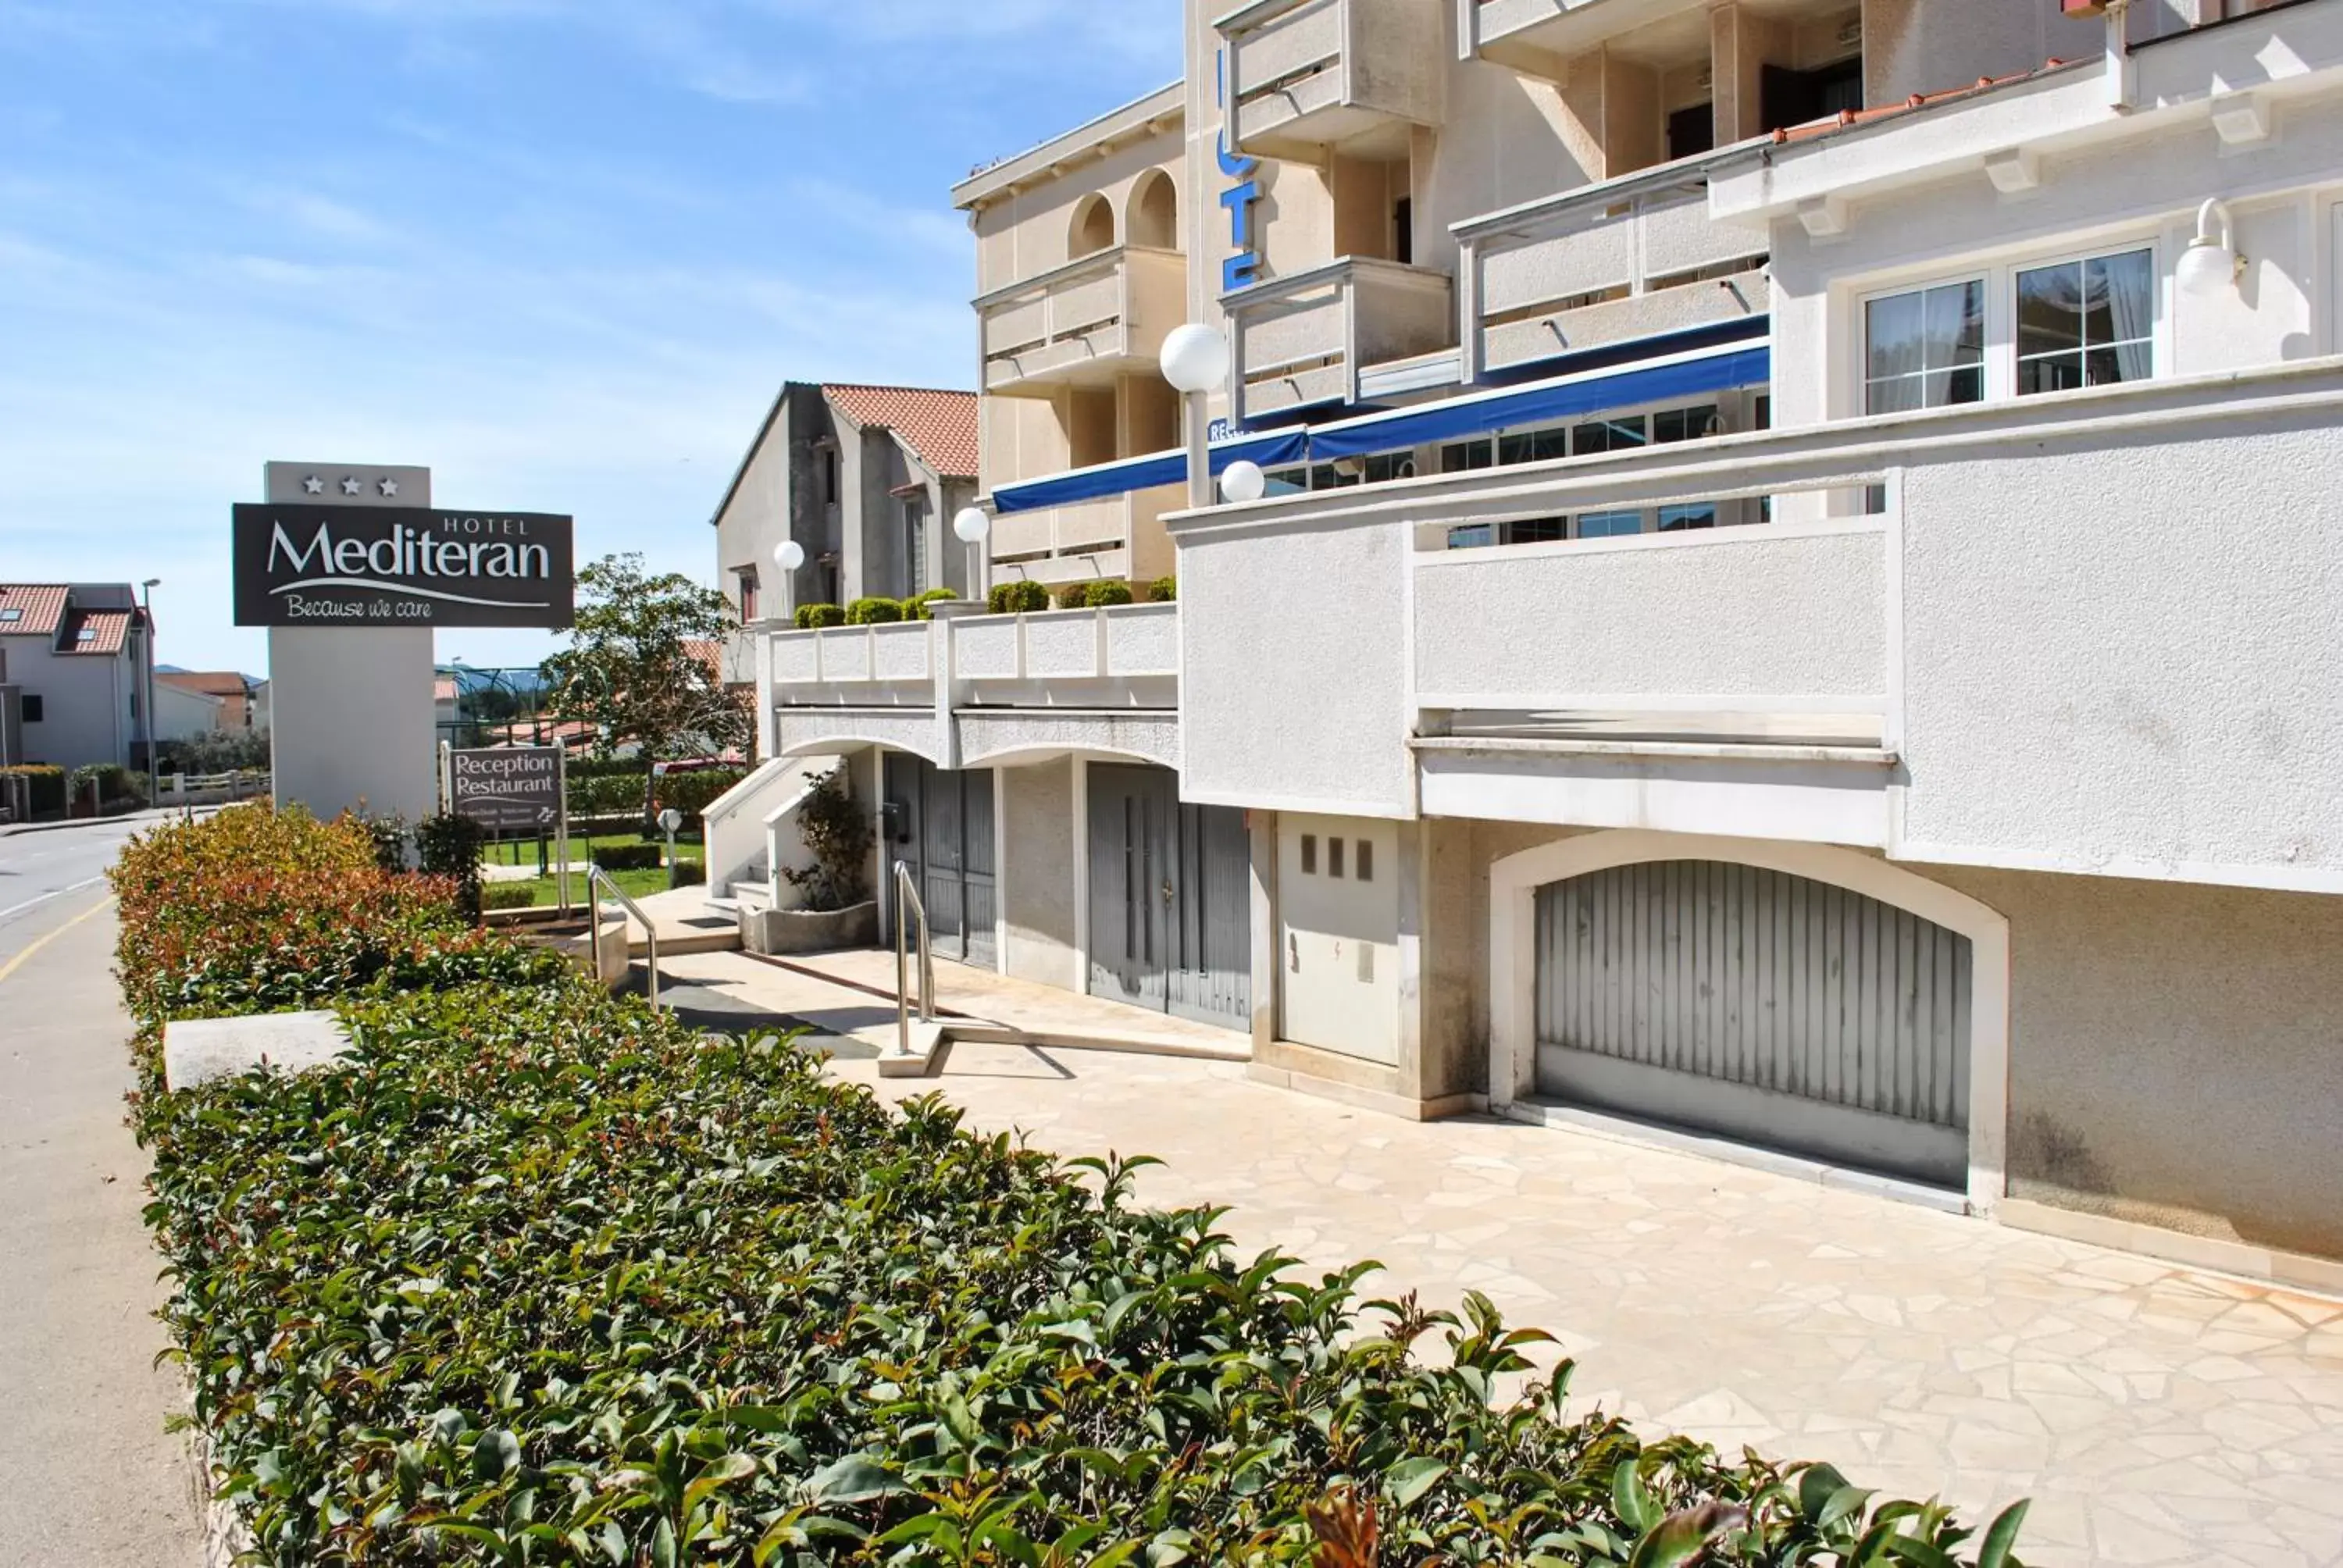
(1924, 350)
(1609, 525)
(2089, 323)
(1675, 519)
(1615, 435)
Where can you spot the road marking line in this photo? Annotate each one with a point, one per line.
(44, 898)
(13, 965)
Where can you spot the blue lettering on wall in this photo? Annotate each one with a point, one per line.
(1243, 268)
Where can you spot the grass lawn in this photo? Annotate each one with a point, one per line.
(522, 852)
(544, 892)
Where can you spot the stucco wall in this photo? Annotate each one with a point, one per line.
(2116, 685)
(1294, 680)
(1927, 46)
(1741, 612)
(1037, 873)
(2177, 1053)
(84, 703)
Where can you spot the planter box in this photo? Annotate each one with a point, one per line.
(778, 932)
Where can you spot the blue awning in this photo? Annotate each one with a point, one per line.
(1272, 449)
(1690, 375)
(1678, 376)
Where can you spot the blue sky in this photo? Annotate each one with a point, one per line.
(560, 251)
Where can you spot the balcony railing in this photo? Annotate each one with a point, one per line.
(1307, 338)
(1085, 322)
(1308, 75)
(1604, 264)
(1114, 538)
(1003, 659)
(1539, 34)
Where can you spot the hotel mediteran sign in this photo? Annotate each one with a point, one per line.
(318, 564)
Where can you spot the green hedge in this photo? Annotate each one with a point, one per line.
(690, 790)
(629, 857)
(1102, 594)
(874, 612)
(1163, 590)
(115, 782)
(47, 785)
(609, 795)
(1021, 597)
(921, 607)
(546, 1278)
(817, 616)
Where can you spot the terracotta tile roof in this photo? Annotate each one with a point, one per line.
(210, 682)
(443, 688)
(1846, 119)
(94, 631)
(941, 426)
(43, 606)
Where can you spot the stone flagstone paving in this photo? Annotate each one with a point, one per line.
(2154, 1416)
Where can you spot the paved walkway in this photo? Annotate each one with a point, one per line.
(2154, 1415)
(87, 1475)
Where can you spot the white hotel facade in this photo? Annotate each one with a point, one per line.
(1799, 609)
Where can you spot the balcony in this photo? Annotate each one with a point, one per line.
(965, 691)
(1539, 36)
(1113, 539)
(1308, 339)
(1306, 77)
(1083, 323)
(1604, 264)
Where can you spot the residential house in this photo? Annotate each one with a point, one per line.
(1792, 611)
(234, 691)
(75, 654)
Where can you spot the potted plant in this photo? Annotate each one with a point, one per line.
(835, 908)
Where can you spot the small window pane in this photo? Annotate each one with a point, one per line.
(1309, 854)
(1924, 350)
(1366, 863)
(1675, 519)
(1471, 537)
(1609, 525)
(1334, 857)
(1537, 531)
(2088, 323)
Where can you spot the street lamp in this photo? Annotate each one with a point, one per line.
(971, 528)
(1196, 360)
(146, 704)
(789, 556)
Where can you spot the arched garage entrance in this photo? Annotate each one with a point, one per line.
(1789, 996)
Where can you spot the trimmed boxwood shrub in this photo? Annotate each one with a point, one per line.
(1163, 590)
(1021, 597)
(629, 857)
(508, 896)
(874, 612)
(543, 1277)
(819, 617)
(922, 607)
(1101, 595)
(1075, 596)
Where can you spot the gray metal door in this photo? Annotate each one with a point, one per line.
(1170, 899)
(943, 832)
(1761, 1005)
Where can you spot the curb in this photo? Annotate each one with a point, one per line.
(156, 815)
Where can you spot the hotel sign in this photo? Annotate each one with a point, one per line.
(509, 788)
(323, 564)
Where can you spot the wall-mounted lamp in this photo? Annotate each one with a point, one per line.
(2211, 262)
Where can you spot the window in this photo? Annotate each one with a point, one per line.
(1675, 519)
(1924, 350)
(1366, 860)
(86, 634)
(31, 708)
(1615, 435)
(1403, 231)
(830, 482)
(1686, 424)
(13, 612)
(1334, 857)
(2088, 323)
(1609, 525)
(1472, 535)
(747, 576)
(915, 545)
(1692, 132)
(1462, 456)
(1309, 854)
(1532, 445)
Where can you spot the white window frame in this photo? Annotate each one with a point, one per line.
(1999, 275)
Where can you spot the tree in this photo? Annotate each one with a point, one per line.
(630, 669)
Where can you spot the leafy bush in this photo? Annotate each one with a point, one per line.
(215, 751)
(690, 790)
(1163, 590)
(115, 782)
(688, 874)
(1104, 593)
(448, 846)
(836, 831)
(508, 896)
(609, 794)
(817, 617)
(922, 607)
(1075, 596)
(874, 612)
(47, 785)
(262, 910)
(1022, 597)
(629, 857)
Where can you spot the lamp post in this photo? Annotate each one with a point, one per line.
(788, 557)
(1195, 360)
(972, 527)
(146, 703)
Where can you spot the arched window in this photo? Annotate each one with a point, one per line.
(1093, 227)
(1154, 220)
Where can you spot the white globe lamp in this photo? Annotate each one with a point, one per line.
(789, 554)
(2211, 263)
(971, 524)
(1195, 358)
(1242, 483)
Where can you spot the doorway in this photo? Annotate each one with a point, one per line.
(939, 825)
(1171, 896)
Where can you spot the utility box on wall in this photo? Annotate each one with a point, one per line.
(1338, 934)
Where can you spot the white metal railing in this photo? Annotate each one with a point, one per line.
(597, 878)
(909, 904)
(1133, 641)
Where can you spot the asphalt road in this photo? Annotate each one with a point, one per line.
(87, 1473)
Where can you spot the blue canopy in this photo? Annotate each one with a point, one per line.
(1685, 375)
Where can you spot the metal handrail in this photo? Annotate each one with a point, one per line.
(597, 877)
(907, 904)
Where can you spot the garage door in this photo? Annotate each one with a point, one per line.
(1763, 1006)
